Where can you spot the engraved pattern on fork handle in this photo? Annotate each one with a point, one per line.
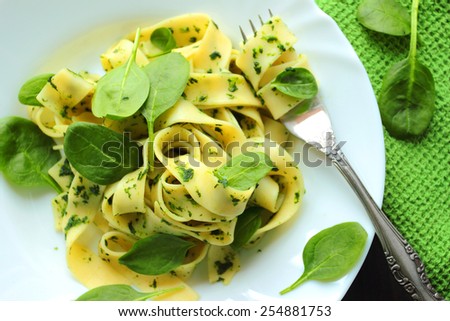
(405, 264)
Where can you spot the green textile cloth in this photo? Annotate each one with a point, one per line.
(417, 188)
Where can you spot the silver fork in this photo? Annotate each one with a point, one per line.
(314, 127)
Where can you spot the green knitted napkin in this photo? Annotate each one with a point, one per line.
(417, 190)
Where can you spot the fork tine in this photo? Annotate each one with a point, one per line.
(261, 20)
(244, 37)
(253, 26)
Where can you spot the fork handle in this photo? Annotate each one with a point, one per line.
(405, 264)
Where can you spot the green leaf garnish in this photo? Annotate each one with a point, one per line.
(246, 226)
(331, 253)
(162, 38)
(31, 88)
(156, 254)
(385, 16)
(296, 82)
(100, 154)
(120, 292)
(121, 92)
(407, 96)
(168, 76)
(244, 171)
(26, 153)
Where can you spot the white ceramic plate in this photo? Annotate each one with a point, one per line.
(44, 36)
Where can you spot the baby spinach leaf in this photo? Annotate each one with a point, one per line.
(156, 254)
(163, 39)
(407, 96)
(331, 253)
(407, 99)
(121, 292)
(247, 224)
(31, 88)
(386, 16)
(296, 82)
(244, 170)
(122, 91)
(100, 154)
(26, 154)
(168, 76)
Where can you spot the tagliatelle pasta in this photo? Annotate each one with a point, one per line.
(227, 107)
